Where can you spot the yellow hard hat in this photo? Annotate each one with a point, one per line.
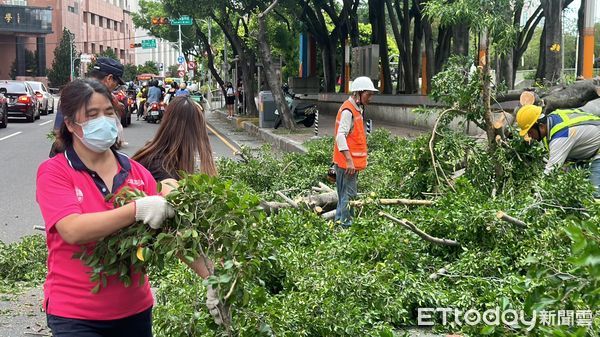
(527, 116)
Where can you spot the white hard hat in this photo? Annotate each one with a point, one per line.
(362, 83)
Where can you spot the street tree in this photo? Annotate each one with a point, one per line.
(271, 74)
(379, 37)
(549, 69)
(60, 73)
(30, 65)
(129, 72)
(150, 67)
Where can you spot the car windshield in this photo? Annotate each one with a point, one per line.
(13, 87)
(37, 86)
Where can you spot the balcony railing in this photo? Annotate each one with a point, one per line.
(23, 19)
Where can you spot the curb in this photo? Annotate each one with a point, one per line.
(266, 135)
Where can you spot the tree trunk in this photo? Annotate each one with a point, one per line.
(541, 67)
(552, 42)
(210, 57)
(416, 49)
(580, 26)
(399, 43)
(407, 61)
(460, 39)
(442, 52)
(429, 49)
(379, 36)
(329, 64)
(505, 70)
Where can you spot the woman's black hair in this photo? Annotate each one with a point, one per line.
(73, 97)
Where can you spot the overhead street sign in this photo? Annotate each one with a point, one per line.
(183, 20)
(149, 44)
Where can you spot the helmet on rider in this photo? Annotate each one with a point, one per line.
(527, 116)
(362, 83)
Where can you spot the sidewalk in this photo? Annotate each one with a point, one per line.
(287, 141)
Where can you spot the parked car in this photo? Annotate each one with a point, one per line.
(3, 110)
(21, 98)
(45, 98)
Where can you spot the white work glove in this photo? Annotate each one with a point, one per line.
(153, 210)
(212, 303)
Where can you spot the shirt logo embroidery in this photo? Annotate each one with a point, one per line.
(135, 182)
(78, 194)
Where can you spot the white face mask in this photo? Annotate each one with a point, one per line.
(99, 134)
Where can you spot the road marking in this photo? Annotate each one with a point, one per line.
(14, 134)
(229, 145)
(46, 122)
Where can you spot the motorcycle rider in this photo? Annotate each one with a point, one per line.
(350, 146)
(154, 95)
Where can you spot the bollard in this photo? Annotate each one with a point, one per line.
(369, 126)
(317, 123)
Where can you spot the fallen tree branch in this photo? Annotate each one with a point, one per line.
(410, 226)
(328, 215)
(505, 217)
(406, 202)
(288, 200)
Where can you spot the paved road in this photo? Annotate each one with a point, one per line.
(23, 146)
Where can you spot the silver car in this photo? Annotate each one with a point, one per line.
(45, 98)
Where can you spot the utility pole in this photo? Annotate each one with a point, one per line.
(588, 40)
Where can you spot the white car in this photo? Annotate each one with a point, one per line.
(45, 98)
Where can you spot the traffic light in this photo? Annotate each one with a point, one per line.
(160, 20)
(135, 45)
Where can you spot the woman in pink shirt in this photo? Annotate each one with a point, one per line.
(71, 191)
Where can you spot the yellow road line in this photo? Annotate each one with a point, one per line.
(229, 145)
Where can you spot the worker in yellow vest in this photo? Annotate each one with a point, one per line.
(569, 135)
(350, 146)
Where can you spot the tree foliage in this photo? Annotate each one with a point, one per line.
(31, 65)
(59, 74)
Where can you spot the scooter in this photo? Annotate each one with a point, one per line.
(303, 113)
(155, 113)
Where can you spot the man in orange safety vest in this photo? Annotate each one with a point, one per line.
(350, 146)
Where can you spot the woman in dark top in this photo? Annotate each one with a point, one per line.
(181, 144)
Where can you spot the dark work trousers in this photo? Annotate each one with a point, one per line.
(138, 325)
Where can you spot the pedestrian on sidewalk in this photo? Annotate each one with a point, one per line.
(350, 146)
(240, 95)
(71, 190)
(229, 99)
(181, 144)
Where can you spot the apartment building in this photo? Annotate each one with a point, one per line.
(96, 24)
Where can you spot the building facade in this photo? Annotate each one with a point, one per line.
(96, 24)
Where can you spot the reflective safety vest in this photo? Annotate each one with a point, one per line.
(580, 118)
(356, 139)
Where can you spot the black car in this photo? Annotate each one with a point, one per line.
(22, 101)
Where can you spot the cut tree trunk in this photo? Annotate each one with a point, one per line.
(410, 226)
(573, 96)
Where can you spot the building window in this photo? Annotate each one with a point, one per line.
(100, 19)
(85, 47)
(101, 48)
(93, 19)
(71, 9)
(93, 48)
(122, 54)
(85, 19)
(116, 26)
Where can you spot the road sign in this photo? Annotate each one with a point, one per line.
(181, 73)
(181, 67)
(191, 65)
(85, 58)
(183, 20)
(180, 59)
(149, 44)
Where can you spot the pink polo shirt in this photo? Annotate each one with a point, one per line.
(64, 187)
